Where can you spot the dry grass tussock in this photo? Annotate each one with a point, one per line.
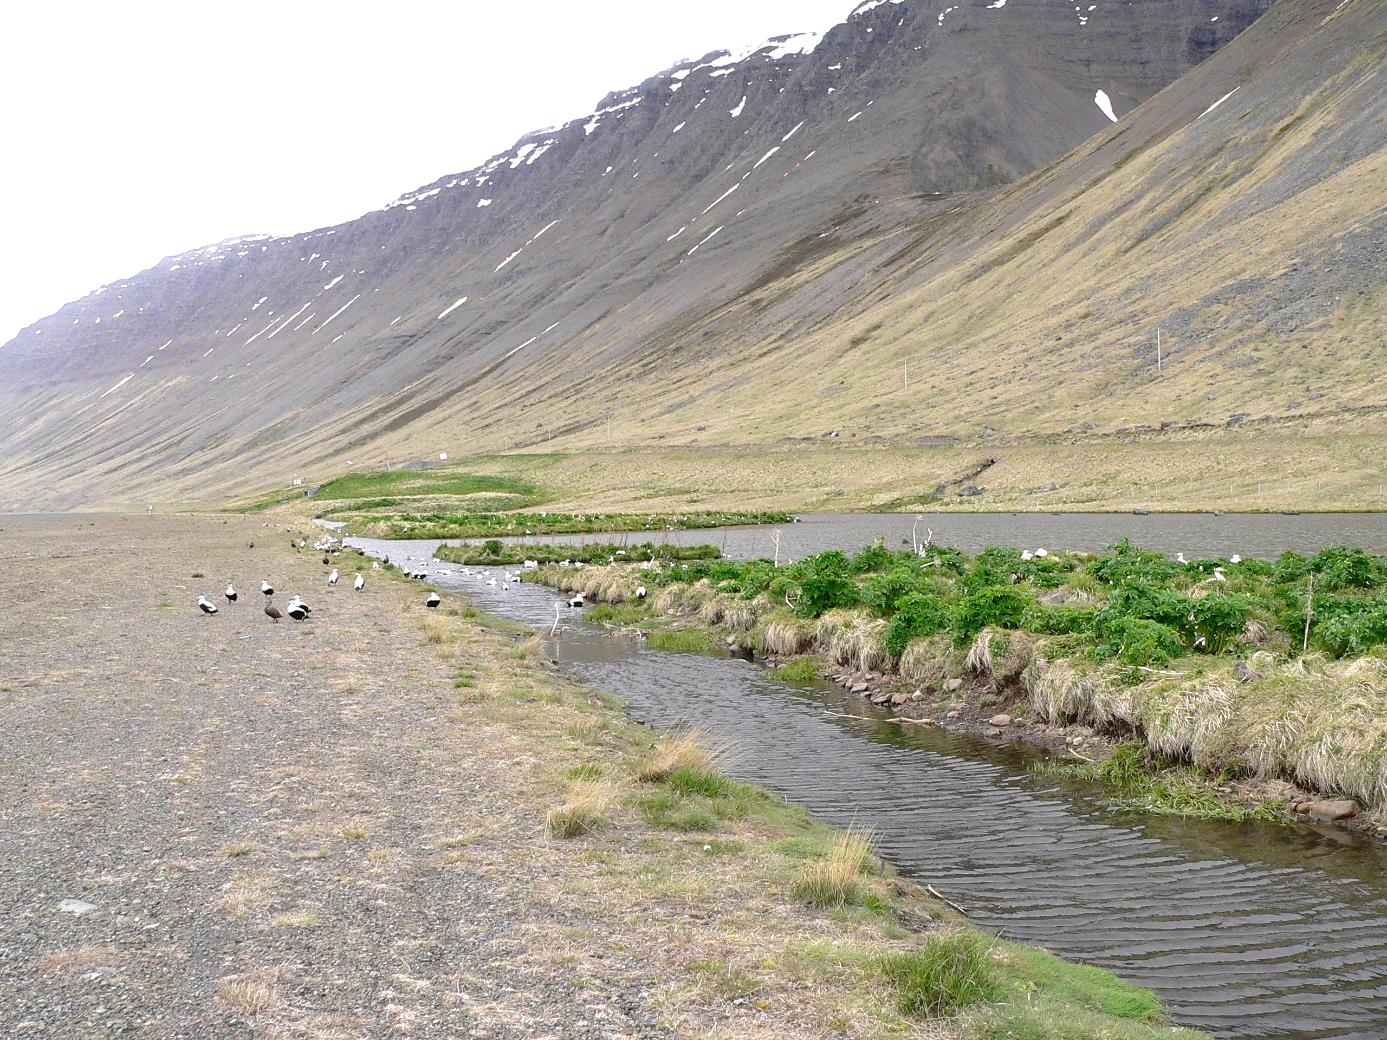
(439, 630)
(247, 996)
(786, 636)
(855, 639)
(998, 655)
(926, 660)
(686, 749)
(584, 810)
(1319, 723)
(835, 880)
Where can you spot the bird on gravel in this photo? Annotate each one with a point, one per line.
(231, 592)
(272, 611)
(332, 578)
(359, 584)
(206, 605)
(267, 588)
(433, 601)
(375, 565)
(298, 610)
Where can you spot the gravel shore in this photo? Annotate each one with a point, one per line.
(219, 826)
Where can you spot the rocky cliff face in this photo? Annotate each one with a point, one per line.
(693, 237)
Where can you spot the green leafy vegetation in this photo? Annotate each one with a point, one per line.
(1139, 608)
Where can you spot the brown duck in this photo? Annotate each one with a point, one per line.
(272, 611)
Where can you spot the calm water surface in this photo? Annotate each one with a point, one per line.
(1244, 930)
(1194, 534)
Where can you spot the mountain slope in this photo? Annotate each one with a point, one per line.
(882, 235)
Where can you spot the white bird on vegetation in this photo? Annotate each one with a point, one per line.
(375, 565)
(1218, 574)
(332, 578)
(1180, 558)
(1235, 558)
(1027, 555)
(206, 605)
(640, 592)
(433, 601)
(359, 584)
(1041, 553)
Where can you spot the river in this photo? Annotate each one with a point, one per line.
(1246, 930)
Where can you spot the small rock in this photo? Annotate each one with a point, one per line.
(999, 720)
(993, 731)
(917, 696)
(860, 687)
(899, 698)
(951, 715)
(880, 697)
(1334, 809)
(952, 685)
(76, 907)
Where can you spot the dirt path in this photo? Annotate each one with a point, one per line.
(261, 815)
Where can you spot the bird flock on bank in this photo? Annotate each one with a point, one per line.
(297, 608)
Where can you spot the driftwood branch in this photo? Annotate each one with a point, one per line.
(943, 898)
(868, 718)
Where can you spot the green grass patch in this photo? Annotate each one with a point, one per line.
(624, 614)
(948, 973)
(495, 553)
(424, 483)
(683, 640)
(1142, 780)
(801, 670)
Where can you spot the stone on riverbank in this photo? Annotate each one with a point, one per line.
(1333, 809)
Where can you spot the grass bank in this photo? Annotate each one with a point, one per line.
(1269, 670)
(502, 525)
(495, 553)
(750, 911)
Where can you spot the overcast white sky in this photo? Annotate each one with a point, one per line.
(133, 131)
